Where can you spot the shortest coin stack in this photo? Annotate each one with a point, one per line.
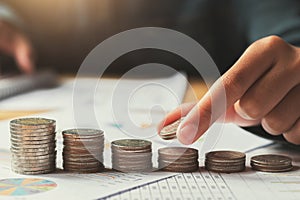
(271, 163)
(169, 131)
(225, 161)
(83, 150)
(131, 155)
(33, 145)
(178, 159)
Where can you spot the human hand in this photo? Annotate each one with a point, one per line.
(14, 43)
(263, 86)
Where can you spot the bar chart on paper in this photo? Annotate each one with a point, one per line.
(208, 185)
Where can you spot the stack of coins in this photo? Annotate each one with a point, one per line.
(83, 150)
(225, 161)
(169, 131)
(178, 159)
(131, 155)
(271, 163)
(33, 145)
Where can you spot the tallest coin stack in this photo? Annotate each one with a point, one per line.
(33, 145)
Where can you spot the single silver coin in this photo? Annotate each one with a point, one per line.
(25, 123)
(131, 144)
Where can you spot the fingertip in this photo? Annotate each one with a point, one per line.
(267, 128)
(187, 133)
(238, 109)
(160, 125)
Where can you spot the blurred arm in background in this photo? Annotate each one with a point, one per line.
(13, 41)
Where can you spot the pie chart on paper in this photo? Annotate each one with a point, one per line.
(25, 186)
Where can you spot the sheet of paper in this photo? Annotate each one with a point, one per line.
(123, 109)
(139, 103)
(247, 185)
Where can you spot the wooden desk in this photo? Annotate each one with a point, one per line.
(195, 91)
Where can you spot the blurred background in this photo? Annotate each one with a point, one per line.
(63, 32)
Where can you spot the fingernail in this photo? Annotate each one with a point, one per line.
(187, 133)
(241, 113)
(267, 128)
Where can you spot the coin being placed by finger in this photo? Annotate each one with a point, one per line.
(169, 132)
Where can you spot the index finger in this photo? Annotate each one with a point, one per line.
(255, 61)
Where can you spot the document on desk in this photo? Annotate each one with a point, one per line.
(202, 184)
(148, 101)
(123, 109)
(247, 185)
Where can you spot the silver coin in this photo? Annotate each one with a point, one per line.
(271, 159)
(71, 166)
(181, 169)
(33, 146)
(240, 162)
(131, 144)
(270, 166)
(124, 162)
(34, 130)
(130, 151)
(132, 154)
(85, 170)
(66, 154)
(82, 164)
(177, 159)
(169, 131)
(31, 133)
(225, 155)
(87, 156)
(225, 169)
(19, 171)
(32, 154)
(32, 138)
(32, 123)
(130, 170)
(82, 132)
(274, 170)
(33, 159)
(30, 165)
(181, 162)
(83, 138)
(90, 148)
(83, 145)
(32, 150)
(171, 137)
(82, 152)
(177, 152)
(145, 166)
(81, 159)
(131, 158)
(32, 142)
(85, 142)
